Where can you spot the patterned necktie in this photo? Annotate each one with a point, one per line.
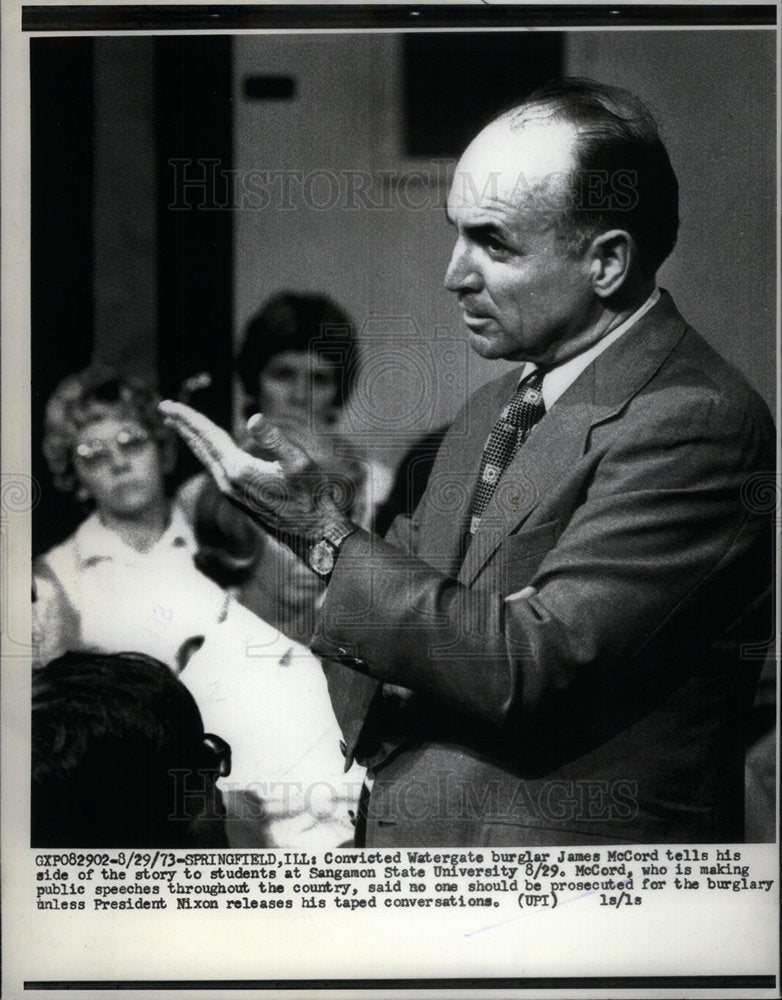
(510, 432)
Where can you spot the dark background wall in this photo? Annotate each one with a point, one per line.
(61, 233)
(122, 274)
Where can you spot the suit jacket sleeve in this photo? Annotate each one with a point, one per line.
(352, 693)
(663, 543)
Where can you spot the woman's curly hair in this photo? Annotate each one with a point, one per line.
(88, 395)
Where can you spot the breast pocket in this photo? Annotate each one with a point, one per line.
(521, 554)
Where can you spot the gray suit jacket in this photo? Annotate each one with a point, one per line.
(608, 707)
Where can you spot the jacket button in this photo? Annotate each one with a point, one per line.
(341, 651)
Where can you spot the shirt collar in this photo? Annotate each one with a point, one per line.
(563, 376)
(95, 542)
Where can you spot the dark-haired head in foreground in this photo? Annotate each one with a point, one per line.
(120, 757)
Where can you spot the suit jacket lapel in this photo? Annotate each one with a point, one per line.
(558, 441)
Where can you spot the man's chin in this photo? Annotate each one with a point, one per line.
(489, 347)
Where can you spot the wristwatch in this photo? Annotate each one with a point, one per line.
(323, 554)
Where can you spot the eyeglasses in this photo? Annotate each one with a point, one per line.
(127, 441)
(218, 754)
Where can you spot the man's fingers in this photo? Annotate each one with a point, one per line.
(225, 461)
(269, 438)
(205, 439)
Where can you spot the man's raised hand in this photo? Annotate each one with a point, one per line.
(213, 447)
(277, 481)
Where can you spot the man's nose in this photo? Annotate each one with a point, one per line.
(462, 274)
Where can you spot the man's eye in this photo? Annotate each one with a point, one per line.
(494, 247)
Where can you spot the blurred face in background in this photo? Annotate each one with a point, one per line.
(118, 463)
(298, 387)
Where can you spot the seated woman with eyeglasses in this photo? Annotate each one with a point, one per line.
(126, 580)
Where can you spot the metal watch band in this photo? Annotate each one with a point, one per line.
(323, 554)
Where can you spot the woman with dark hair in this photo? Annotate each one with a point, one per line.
(299, 358)
(298, 366)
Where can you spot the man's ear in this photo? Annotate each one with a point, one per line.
(612, 257)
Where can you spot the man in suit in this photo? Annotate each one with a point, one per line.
(550, 650)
